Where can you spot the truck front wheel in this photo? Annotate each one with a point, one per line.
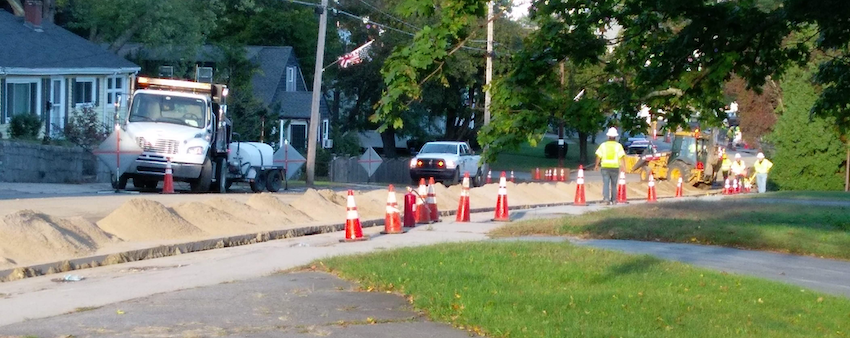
(202, 183)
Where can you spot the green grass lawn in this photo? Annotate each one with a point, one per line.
(528, 158)
(520, 289)
(806, 195)
(792, 228)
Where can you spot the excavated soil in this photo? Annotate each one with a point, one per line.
(30, 237)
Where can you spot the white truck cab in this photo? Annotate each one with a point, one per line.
(447, 162)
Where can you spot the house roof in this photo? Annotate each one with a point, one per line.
(297, 105)
(52, 50)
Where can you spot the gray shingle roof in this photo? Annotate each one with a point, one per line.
(296, 105)
(54, 47)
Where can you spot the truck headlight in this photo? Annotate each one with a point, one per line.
(413, 162)
(450, 164)
(195, 150)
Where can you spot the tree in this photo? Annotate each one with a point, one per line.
(756, 110)
(809, 153)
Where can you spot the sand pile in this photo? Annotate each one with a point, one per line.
(272, 204)
(142, 219)
(30, 237)
(211, 220)
(320, 208)
(373, 204)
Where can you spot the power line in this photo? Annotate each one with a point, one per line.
(389, 15)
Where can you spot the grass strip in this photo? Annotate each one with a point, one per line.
(822, 231)
(806, 195)
(522, 289)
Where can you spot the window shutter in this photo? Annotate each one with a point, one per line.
(72, 98)
(96, 101)
(4, 93)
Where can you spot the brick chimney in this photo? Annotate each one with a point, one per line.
(32, 14)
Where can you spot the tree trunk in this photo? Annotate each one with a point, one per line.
(388, 139)
(48, 10)
(582, 147)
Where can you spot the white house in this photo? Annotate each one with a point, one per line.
(50, 72)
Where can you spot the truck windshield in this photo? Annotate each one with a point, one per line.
(187, 111)
(435, 148)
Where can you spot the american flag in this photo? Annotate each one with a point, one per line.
(355, 56)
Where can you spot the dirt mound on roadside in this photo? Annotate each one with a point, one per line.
(274, 205)
(143, 219)
(212, 220)
(30, 237)
(319, 208)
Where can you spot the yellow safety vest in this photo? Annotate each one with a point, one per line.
(610, 153)
(726, 165)
(739, 168)
(763, 166)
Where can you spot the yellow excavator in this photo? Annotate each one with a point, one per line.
(694, 158)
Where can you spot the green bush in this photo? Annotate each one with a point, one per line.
(25, 126)
(85, 130)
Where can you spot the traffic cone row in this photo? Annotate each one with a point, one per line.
(621, 189)
(580, 198)
(463, 204)
(502, 201)
(168, 185)
(650, 194)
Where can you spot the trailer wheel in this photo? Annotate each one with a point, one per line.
(202, 183)
(259, 182)
(273, 181)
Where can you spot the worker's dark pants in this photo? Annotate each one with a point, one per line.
(725, 174)
(609, 183)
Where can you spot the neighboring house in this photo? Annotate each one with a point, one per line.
(278, 83)
(50, 72)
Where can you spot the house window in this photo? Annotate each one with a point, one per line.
(22, 97)
(290, 79)
(114, 88)
(325, 130)
(84, 91)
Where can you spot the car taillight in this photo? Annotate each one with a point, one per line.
(700, 166)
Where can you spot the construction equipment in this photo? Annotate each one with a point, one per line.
(693, 157)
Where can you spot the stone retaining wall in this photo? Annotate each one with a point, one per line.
(37, 163)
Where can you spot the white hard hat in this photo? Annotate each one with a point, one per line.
(737, 156)
(612, 132)
(760, 156)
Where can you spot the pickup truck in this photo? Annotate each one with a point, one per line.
(447, 162)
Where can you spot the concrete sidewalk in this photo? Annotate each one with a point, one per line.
(219, 285)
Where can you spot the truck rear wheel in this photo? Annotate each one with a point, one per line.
(273, 181)
(120, 183)
(202, 183)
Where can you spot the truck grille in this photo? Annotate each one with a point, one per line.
(161, 146)
(431, 163)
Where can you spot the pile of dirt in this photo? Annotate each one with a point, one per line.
(30, 237)
(270, 203)
(320, 208)
(211, 220)
(373, 204)
(239, 210)
(141, 219)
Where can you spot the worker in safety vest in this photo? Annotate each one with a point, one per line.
(762, 167)
(739, 169)
(612, 156)
(725, 166)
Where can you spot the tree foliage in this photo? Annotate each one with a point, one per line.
(756, 109)
(809, 153)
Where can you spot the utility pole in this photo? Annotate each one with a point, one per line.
(313, 135)
(561, 143)
(489, 72)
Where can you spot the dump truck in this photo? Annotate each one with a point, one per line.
(693, 157)
(184, 125)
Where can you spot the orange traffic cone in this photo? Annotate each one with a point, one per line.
(727, 187)
(353, 230)
(650, 194)
(580, 200)
(423, 214)
(502, 201)
(621, 189)
(168, 185)
(392, 221)
(463, 204)
(512, 177)
(489, 180)
(409, 209)
(735, 187)
(563, 175)
(537, 174)
(679, 188)
(434, 213)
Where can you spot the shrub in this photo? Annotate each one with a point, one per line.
(25, 126)
(84, 129)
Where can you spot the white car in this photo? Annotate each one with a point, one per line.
(447, 162)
